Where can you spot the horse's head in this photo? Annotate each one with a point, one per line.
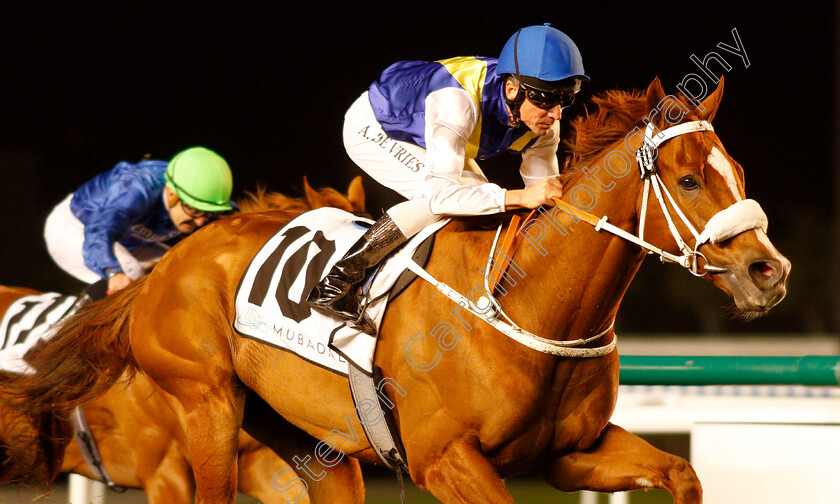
(353, 201)
(724, 234)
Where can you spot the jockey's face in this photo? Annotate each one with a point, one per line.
(538, 120)
(181, 216)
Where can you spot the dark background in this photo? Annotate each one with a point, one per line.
(267, 87)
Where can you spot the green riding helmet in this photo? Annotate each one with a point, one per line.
(201, 178)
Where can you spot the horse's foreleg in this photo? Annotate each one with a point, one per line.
(212, 428)
(211, 417)
(463, 475)
(340, 483)
(171, 482)
(620, 461)
(265, 476)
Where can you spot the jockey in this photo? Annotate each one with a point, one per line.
(420, 128)
(112, 229)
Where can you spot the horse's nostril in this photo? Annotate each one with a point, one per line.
(765, 268)
(765, 272)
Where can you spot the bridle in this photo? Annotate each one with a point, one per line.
(739, 217)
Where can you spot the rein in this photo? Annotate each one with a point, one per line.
(90, 452)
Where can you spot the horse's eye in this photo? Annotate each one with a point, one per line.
(689, 184)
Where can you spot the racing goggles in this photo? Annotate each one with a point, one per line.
(195, 213)
(547, 100)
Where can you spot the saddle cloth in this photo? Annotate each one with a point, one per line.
(271, 297)
(27, 321)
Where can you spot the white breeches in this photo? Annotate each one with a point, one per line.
(398, 165)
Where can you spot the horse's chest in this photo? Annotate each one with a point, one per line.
(569, 429)
(567, 416)
(544, 439)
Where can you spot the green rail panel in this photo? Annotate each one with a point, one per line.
(729, 370)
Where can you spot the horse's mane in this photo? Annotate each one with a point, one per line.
(262, 200)
(616, 112)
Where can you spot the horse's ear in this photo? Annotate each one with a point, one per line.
(356, 194)
(654, 94)
(710, 105)
(313, 197)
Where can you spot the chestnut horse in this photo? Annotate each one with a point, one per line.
(139, 438)
(473, 406)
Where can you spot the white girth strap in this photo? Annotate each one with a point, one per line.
(530, 340)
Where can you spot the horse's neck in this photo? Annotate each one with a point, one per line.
(577, 286)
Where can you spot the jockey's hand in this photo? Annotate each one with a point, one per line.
(117, 282)
(535, 195)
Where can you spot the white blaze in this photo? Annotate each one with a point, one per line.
(721, 165)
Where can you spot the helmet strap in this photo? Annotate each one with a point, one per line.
(515, 103)
(520, 93)
(171, 197)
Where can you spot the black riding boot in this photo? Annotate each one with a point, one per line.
(93, 292)
(336, 293)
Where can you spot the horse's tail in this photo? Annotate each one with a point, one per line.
(86, 354)
(32, 448)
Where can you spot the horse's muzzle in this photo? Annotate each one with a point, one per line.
(759, 285)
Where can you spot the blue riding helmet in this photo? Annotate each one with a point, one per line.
(540, 56)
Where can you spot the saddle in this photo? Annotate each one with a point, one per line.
(271, 297)
(26, 322)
